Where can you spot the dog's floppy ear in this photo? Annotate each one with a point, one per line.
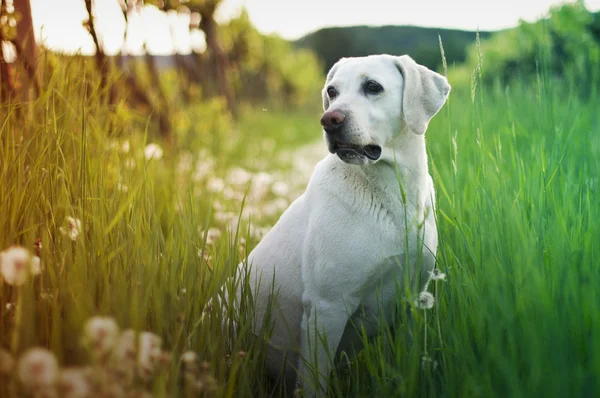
(327, 80)
(425, 92)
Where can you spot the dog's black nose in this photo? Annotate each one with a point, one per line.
(332, 121)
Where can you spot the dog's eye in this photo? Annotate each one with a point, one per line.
(373, 87)
(331, 92)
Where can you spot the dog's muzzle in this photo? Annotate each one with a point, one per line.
(356, 154)
(333, 122)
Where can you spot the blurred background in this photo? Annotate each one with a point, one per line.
(167, 53)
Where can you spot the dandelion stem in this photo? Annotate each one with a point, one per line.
(439, 327)
(18, 320)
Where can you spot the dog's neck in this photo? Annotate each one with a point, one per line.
(404, 162)
(407, 154)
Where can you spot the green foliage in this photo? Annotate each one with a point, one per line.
(331, 44)
(566, 45)
(268, 68)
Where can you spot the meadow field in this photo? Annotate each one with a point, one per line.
(133, 234)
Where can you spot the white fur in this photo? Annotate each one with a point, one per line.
(339, 250)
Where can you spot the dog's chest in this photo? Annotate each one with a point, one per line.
(355, 227)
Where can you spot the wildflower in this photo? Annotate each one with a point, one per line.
(7, 362)
(74, 383)
(73, 228)
(231, 194)
(280, 188)
(216, 184)
(425, 301)
(225, 216)
(436, 275)
(261, 185)
(238, 176)
(203, 167)
(38, 368)
(16, 265)
(153, 151)
(100, 334)
(212, 235)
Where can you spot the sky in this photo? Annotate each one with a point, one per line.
(58, 22)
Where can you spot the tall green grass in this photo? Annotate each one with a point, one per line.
(516, 172)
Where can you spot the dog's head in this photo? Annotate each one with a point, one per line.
(369, 101)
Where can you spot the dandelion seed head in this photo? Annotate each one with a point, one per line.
(125, 347)
(149, 352)
(280, 188)
(73, 228)
(425, 301)
(212, 235)
(15, 265)
(216, 184)
(437, 275)
(203, 168)
(153, 151)
(189, 357)
(238, 176)
(38, 368)
(74, 383)
(101, 334)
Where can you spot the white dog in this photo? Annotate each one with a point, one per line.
(365, 222)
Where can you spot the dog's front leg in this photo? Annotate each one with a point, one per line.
(323, 323)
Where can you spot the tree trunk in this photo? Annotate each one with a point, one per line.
(26, 48)
(138, 94)
(100, 57)
(7, 88)
(209, 26)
